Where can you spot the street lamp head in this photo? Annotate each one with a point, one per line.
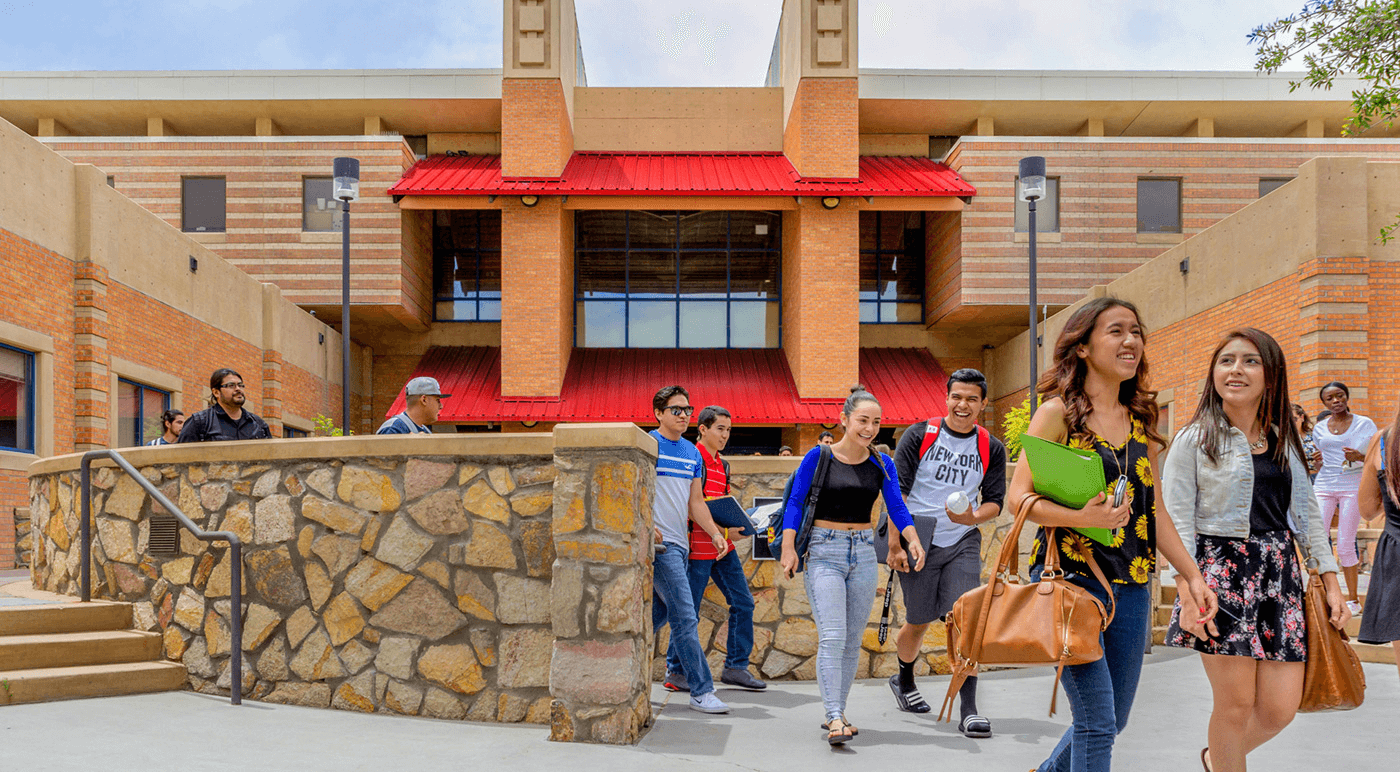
(1032, 178)
(346, 185)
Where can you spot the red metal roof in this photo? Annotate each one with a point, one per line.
(617, 385)
(671, 174)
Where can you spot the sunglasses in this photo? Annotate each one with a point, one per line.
(677, 410)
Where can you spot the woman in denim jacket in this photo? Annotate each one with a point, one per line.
(1236, 486)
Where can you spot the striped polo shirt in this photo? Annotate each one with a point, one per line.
(677, 464)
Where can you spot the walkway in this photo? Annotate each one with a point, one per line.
(776, 730)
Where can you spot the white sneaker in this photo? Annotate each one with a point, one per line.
(708, 703)
(1354, 608)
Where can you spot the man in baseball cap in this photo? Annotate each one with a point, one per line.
(424, 403)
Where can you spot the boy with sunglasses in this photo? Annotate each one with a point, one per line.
(679, 497)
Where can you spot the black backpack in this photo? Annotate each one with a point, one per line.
(804, 529)
(705, 475)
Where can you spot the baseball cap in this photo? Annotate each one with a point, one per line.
(419, 387)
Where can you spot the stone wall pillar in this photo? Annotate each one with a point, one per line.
(600, 596)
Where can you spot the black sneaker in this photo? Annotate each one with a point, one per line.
(741, 678)
(675, 682)
(910, 701)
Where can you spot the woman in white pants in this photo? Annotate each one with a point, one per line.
(1342, 437)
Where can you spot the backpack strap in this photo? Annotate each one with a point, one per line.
(725, 463)
(984, 446)
(933, 425)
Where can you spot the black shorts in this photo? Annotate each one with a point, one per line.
(948, 572)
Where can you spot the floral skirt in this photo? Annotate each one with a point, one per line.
(1260, 589)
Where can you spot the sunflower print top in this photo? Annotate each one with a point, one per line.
(1131, 558)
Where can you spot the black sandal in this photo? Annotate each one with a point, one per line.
(910, 701)
(838, 736)
(849, 725)
(975, 726)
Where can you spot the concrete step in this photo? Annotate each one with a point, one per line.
(1369, 652)
(100, 647)
(64, 618)
(66, 683)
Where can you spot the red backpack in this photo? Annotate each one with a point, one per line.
(984, 441)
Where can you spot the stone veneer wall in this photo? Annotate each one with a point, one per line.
(785, 637)
(405, 575)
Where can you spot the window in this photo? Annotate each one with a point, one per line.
(138, 413)
(891, 267)
(320, 212)
(111, 180)
(467, 266)
(1159, 206)
(16, 399)
(202, 204)
(1047, 209)
(677, 279)
(1268, 185)
(291, 432)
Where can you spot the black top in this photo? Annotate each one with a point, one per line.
(1392, 511)
(907, 460)
(214, 425)
(848, 496)
(1132, 558)
(1273, 492)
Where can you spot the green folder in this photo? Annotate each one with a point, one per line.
(1067, 476)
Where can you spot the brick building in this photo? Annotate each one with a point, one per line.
(556, 251)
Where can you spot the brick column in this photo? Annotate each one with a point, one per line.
(821, 309)
(600, 592)
(1334, 328)
(272, 391)
(537, 307)
(91, 383)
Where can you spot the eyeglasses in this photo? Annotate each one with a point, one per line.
(231, 386)
(677, 410)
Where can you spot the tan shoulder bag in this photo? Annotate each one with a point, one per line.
(1049, 622)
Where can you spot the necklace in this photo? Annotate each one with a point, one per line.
(1261, 443)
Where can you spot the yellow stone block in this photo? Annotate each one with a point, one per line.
(614, 507)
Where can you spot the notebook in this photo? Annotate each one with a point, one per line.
(1067, 476)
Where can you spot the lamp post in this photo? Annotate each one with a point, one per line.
(1031, 187)
(346, 187)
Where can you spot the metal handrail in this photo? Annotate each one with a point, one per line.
(235, 565)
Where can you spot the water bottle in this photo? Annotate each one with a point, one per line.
(957, 503)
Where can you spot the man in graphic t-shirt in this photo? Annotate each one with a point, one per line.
(959, 457)
(679, 498)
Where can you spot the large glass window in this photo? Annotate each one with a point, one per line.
(891, 267)
(1047, 208)
(320, 212)
(202, 204)
(16, 399)
(467, 266)
(677, 279)
(1158, 206)
(138, 413)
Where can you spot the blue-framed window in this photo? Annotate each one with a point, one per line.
(891, 267)
(139, 408)
(291, 432)
(678, 279)
(16, 399)
(467, 266)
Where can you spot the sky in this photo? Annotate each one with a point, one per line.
(627, 42)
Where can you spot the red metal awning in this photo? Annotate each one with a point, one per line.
(617, 385)
(676, 174)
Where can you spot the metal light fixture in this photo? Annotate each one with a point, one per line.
(529, 424)
(529, 200)
(830, 202)
(345, 186)
(1031, 189)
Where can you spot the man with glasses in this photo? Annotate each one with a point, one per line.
(680, 497)
(225, 418)
(424, 403)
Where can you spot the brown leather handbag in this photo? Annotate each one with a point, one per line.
(1049, 622)
(1333, 678)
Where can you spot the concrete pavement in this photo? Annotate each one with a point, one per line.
(773, 730)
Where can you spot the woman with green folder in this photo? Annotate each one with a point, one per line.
(1097, 398)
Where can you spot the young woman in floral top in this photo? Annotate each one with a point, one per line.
(1097, 397)
(1236, 485)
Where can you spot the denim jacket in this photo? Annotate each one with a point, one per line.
(1214, 498)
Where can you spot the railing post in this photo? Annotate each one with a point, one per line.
(85, 527)
(236, 617)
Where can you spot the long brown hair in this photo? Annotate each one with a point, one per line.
(1065, 378)
(1275, 407)
(1392, 457)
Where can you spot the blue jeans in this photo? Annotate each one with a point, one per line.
(672, 603)
(729, 577)
(840, 579)
(1101, 693)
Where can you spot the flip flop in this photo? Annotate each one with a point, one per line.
(838, 735)
(849, 725)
